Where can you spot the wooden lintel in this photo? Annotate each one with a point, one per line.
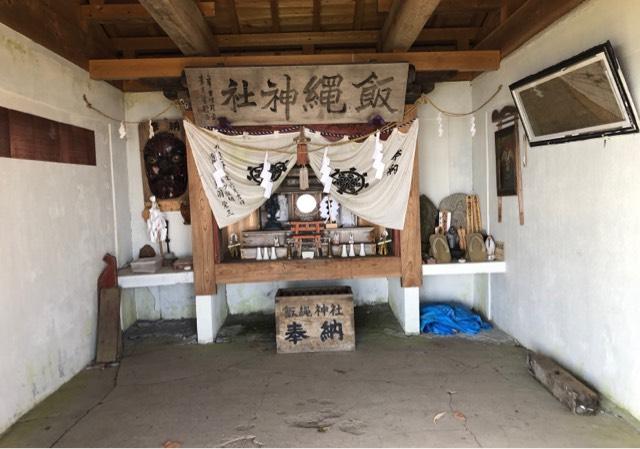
(114, 13)
(404, 22)
(297, 40)
(299, 270)
(524, 23)
(129, 69)
(203, 229)
(184, 23)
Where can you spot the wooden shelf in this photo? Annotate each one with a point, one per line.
(310, 269)
(164, 276)
(444, 269)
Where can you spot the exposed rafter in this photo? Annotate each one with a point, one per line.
(184, 23)
(404, 22)
(524, 23)
(131, 69)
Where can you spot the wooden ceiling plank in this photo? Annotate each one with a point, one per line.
(113, 13)
(358, 14)
(131, 69)
(317, 6)
(267, 40)
(524, 23)
(184, 23)
(275, 16)
(452, 6)
(57, 27)
(404, 22)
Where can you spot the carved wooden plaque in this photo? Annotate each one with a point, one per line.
(314, 319)
(350, 93)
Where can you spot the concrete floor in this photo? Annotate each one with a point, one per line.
(240, 393)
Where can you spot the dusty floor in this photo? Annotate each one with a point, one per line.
(241, 393)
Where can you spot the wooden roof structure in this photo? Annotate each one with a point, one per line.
(145, 44)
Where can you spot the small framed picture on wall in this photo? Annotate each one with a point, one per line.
(507, 157)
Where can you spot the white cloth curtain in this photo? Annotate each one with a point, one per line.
(354, 183)
(239, 196)
(384, 201)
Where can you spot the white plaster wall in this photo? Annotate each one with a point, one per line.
(58, 221)
(571, 289)
(139, 107)
(446, 168)
(170, 302)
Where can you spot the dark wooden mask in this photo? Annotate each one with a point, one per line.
(165, 161)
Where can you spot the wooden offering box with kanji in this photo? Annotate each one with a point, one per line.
(314, 319)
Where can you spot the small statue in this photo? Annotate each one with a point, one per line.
(382, 246)
(490, 244)
(234, 246)
(272, 207)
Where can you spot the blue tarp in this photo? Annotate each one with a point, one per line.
(449, 319)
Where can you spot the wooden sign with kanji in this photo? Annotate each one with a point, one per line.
(315, 319)
(348, 93)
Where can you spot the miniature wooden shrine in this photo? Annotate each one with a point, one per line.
(301, 247)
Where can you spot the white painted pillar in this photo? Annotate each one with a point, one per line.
(211, 311)
(405, 304)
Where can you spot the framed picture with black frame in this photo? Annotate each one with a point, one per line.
(583, 97)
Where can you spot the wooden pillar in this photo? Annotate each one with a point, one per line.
(410, 247)
(203, 229)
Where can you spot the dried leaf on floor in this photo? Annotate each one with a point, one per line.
(438, 416)
(244, 441)
(170, 443)
(460, 416)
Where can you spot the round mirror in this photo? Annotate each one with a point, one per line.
(306, 203)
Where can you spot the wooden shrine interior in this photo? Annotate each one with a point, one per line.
(145, 45)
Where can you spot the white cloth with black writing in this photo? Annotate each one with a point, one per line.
(354, 184)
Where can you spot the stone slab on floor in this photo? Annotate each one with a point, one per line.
(386, 393)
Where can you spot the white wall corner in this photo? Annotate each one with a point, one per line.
(405, 304)
(211, 312)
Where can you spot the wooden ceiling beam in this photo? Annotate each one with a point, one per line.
(184, 23)
(131, 69)
(524, 23)
(404, 22)
(127, 12)
(270, 40)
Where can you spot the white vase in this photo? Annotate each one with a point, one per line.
(344, 251)
(273, 253)
(362, 251)
(352, 251)
(258, 254)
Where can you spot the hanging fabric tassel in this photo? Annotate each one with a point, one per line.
(122, 130)
(151, 131)
(302, 160)
(440, 127)
(325, 172)
(472, 130)
(265, 175)
(378, 165)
